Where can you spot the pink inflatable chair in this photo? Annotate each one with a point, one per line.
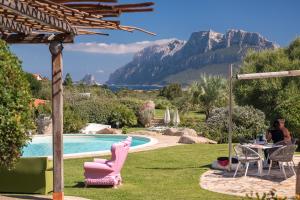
(107, 172)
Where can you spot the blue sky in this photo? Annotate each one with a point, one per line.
(277, 20)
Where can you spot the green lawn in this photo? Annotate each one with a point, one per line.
(159, 114)
(168, 173)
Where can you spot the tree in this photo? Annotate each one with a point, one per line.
(274, 96)
(35, 85)
(171, 91)
(68, 80)
(209, 92)
(15, 109)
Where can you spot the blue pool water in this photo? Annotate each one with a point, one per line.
(42, 145)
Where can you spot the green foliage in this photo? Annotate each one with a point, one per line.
(274, 96)
(35, 85)
(105, 112)
(162, 103)
(15, 110)
(68, 80)
(290, 110)
(43, 110)
(73, 121)
(133, 104)
(209, 92)
(171, 91)
(124, 130)
(122, 116)
(268, 196)
(247, 122)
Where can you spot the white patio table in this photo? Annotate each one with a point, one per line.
(260, 148)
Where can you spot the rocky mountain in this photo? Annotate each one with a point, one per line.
(89, 79)
(179, 61)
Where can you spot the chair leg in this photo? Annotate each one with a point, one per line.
(260, 167)
(292, 168)
(283, 170)
(270, 166)
(247, 166)
(236, 170)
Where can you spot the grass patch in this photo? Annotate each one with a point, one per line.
(160, 113)
(168, 173)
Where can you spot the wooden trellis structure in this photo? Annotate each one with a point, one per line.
(55, 22)
(254, 76)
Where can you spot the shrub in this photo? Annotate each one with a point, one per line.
(15, 110)
(133, 104)
(247, 122)
(73, 121)
(171, 91)
(162, 103)
(122, 116)
(146, 113)
(145, 117)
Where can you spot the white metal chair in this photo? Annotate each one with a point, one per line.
(283, 155)
(246, 155)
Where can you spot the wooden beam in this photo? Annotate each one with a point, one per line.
(32, 13)
(268, 75)
(14, 26)
(230, 104)
(37, 38)
(57, 119)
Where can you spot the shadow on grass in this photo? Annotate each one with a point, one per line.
(82, 185)
(175, 168)
(15, 196)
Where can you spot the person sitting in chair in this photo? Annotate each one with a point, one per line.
(279, 133)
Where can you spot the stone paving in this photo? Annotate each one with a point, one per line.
(223, 182)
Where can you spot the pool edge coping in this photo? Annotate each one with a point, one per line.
(152, 142)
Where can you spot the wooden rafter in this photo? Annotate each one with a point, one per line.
(13, 26)
(77, 17)
(26, 10)
(36, 38)
(268, 75)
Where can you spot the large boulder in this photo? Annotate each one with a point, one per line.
(180, 132)
(109, 131)
(186, 139)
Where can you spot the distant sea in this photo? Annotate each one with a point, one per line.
(115, 88)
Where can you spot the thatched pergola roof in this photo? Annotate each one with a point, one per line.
(40, 21)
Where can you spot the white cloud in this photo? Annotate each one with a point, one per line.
(114, 48)
(100, 71)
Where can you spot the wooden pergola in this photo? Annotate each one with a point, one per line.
(254, 76)
(55, 22)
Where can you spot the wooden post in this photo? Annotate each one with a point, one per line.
(298, 180)
(57, 119)
(230, 115)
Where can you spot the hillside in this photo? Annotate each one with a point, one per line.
(179, 61)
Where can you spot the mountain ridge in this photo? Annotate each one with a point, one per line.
(157, 64)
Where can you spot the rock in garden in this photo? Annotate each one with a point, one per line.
(110, 131)
(186, 139)
(180, 132)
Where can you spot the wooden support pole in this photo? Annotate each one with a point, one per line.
(298, 180)
(230, 115)
(57, 119)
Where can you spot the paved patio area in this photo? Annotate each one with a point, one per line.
(223, 182)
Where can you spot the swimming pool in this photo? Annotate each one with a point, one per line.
(78, 144)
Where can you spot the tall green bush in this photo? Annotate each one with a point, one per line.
(247, 122)
(15, 108)
(274, 96)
